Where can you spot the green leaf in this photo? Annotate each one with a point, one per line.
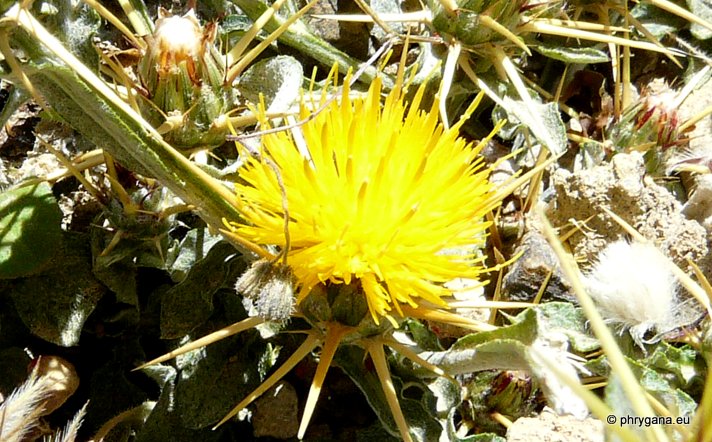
(658, 22)
(680, 362)
(483, 437)
(103, 385)
(75, 24)
(127, 423)
(521, 346)
(446, 395)
(579, 55)
(422, 335)
(235, 23)
(55, 304)
(120, 278)
(568, 319)
(165, 421)
(524, 330)
(544, 122)
(30, 230)
(190, 302)
(194, 247)
(675, 400)
(212, 380)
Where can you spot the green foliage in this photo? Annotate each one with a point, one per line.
(76, 23)
(277, 79)
(190, 302)
(703, 10)
(56, 303)
(31, 233)
(420, 410)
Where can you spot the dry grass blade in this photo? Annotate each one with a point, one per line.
(142, 26)
(405, 17)
(111, 18)
(581, 25)
(240, 47)
(71, 430)
(681, 12)
(439, 315)
(20, 413)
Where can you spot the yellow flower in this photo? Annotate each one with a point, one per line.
(387, 199)
(381, 198)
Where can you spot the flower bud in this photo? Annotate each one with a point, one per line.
(183, 76)
(268, 290)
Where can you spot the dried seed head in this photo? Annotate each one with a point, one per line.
(634, 287)
(268, 289)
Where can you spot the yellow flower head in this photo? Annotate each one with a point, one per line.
(389, 199)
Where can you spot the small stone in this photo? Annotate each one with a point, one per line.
(528, 273)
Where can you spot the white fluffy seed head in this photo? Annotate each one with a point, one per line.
(182, 36)
(633, 286)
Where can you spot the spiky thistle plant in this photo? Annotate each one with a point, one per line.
(107, 111)
(345, 305)
(343, 219)
(365, 221)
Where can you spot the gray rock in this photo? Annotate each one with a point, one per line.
(527, 275)
(623, 188)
